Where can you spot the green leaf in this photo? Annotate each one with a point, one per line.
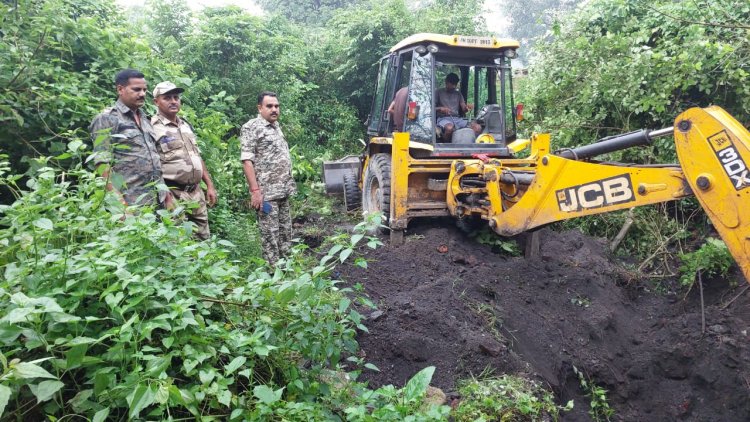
(225, 397)
(101, 415)
(102, 382)
(335, 249)
(235, 364)
(80, 402)
(24, 370)
(156, 367)
(343, 304)
(75, 145)
(162, 394)
(372, 367)
(74, 356)
(44, 223)
(356, 238)
(139, 399)
(45, 390)
(263, 350)
(167, 342)
(345, 254)
(267, 395)
(5, 393)
(418, 384)
(206, 376)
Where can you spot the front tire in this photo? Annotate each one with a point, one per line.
(376, 187)
(352, 194)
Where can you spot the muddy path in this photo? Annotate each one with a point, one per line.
(447, 301)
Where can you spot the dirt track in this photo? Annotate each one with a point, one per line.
(470, 310)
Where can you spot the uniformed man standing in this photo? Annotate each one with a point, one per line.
(124, 145)
(268, 170)
(181, 162)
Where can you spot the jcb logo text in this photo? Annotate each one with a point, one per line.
(730, 159)
(735, 167)
(601, 193)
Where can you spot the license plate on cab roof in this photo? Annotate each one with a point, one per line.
(472, 41)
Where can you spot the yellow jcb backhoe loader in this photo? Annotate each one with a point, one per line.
(417, 171)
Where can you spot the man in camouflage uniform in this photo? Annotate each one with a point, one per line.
(181, 162)
(268, 170)
(124, 145)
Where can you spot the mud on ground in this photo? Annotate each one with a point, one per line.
(467, 310)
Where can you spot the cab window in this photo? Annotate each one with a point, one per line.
(420, 121)
(378, 110)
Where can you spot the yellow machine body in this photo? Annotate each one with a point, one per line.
(515, 195)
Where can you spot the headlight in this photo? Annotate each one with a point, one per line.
(510, 53)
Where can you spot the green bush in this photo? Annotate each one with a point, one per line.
(712, 258)
(111, 314)
(506, 398)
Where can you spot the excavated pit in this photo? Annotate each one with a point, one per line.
(448, 301)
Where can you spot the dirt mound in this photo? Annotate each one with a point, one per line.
(448, 301)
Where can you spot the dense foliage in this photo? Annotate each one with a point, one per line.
(532, 20)
(112, 315)
(620, 65)
(615, 66)
(57, 63)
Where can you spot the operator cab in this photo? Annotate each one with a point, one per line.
(421, 63)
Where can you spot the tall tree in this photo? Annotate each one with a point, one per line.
(312, 12)
(531, 19)
(620, 65)
(169, 21)
(358, 38)
(58, 59)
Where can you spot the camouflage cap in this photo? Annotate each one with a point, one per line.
(165, 87)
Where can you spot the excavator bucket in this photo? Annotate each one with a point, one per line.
(334, 171)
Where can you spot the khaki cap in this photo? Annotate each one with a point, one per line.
(165, 87)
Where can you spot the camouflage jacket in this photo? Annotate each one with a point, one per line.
(130, 152)
(176, 145)
(264, 144)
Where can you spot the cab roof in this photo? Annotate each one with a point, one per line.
(483, 43)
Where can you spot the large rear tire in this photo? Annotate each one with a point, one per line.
(352, 194)
(376, 187)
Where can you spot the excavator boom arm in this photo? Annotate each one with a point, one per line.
(713, 151)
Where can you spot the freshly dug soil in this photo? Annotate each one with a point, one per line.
(447, 301)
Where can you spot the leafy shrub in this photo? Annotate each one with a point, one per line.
(486, 236)
(137, 320)
(506, 398)
(391, 404)
(712, 258)
(599, 408)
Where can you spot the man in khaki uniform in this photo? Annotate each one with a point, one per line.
(268, 169)
(181, 162)
(124, 146)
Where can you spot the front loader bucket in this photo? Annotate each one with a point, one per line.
(334, 171)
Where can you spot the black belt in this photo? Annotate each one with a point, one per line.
(179, 186)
